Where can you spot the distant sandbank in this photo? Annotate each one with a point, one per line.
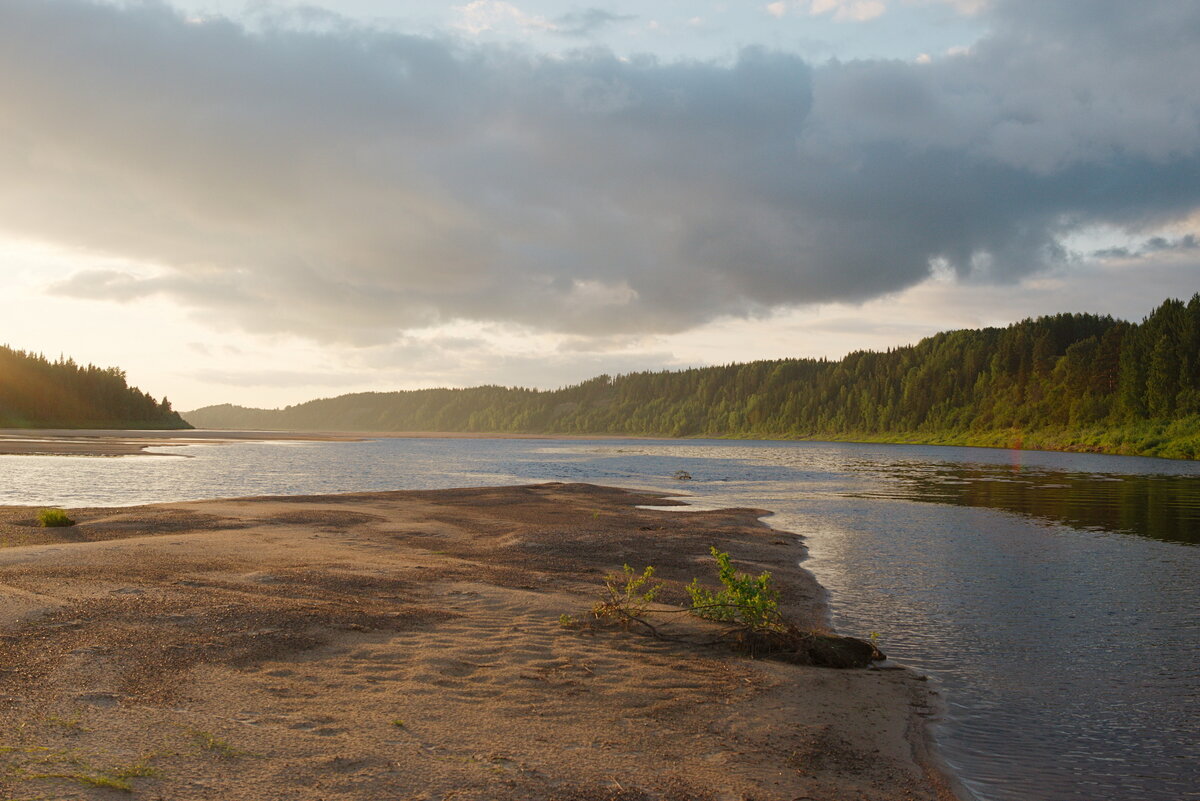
(129, 442)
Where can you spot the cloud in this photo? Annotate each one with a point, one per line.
(1152, 246)
(588, 22)
(1158, 244)
(848, 10)
(865, 10)
(479, 16)
(838, 10)
(112, 285)
(965, 7)
(348, 184)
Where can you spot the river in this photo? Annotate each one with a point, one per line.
(1051, 598)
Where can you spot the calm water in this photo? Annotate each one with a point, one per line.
(1052, 598)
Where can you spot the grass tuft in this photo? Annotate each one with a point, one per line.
(53, 518)
(117, 779)
(210, 742)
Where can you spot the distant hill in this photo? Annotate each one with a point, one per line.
(38, 393)
(1067, 381)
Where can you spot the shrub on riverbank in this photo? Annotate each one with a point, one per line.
(53, 518)
(747, 605)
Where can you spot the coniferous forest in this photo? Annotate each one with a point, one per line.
(1067, 381)
(36, 392)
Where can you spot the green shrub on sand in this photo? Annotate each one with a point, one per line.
(53, 518)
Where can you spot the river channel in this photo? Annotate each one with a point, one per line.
(1051, 598)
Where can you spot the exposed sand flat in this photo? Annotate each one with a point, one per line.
(130, 442)
(407, 645)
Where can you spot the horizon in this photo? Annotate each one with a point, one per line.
(267, 203)
(615, 376)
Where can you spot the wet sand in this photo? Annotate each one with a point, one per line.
(127, 442)
(130, 442)
(408, 645)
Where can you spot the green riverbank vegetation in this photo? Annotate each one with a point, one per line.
(746, 609)
(1061, 382)
(53, 518)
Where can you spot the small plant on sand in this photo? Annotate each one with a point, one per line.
(746, 605)
(579, 623)
(629, 595)
(211, 742)
(53, 518)
(72, 724)
(106, 779)
(746, 600)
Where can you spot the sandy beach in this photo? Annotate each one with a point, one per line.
(408, 645)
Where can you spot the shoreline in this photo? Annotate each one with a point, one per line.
(438, 609)
(134, 442)
(921, 724)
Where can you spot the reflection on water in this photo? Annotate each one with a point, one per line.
(1163, 507)
(1067, 651)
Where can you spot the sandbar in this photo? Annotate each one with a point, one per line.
(131, 442)
(411, 645)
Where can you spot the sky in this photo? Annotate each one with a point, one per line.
(266, 202)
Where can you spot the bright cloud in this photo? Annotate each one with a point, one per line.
(864, 10)
(837, 10)
(848, 10)
(487, 15)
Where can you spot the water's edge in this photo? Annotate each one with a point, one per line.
(1048, 596)
(922, 729)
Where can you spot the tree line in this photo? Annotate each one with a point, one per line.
(37, 392)
(1080, 371)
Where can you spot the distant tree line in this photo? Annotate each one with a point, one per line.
(36, 392)
(1065, 370)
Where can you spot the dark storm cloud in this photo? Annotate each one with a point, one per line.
(1158, 244)
(1152, 246)
(345, 184)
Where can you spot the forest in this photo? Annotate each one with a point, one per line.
(1066, 381)
(38, 393)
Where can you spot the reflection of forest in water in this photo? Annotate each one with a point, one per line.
(1162, 507)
